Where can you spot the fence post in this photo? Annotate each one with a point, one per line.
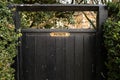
(100, 56)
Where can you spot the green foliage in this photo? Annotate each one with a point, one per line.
(42, 19)
(113, 8)
(8, 43)
(112, 42)
(34, 1)
(46, 19)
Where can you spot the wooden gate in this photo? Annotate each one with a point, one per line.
(46, 57)
(69, 54)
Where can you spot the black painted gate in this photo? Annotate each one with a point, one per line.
(71, 54)
(45, 57)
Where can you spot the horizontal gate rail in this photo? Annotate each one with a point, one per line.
(59, 30)
(56, 7)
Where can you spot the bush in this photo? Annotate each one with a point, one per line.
(112, 41)
(8, 43)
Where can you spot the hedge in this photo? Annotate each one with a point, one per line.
(8, 43)
(112, 41)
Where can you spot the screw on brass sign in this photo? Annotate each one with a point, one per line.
(59, 34)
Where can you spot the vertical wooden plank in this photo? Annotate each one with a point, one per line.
(93, 52)
(79, 56)
(28, 58)
(88, 57)
(60, 60)
(70, 52)
(22, 50)
(51, 58)
(41, 58)
(92, 41)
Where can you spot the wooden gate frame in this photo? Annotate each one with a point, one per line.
(102, 14)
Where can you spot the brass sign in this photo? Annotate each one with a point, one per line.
(59, 34)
